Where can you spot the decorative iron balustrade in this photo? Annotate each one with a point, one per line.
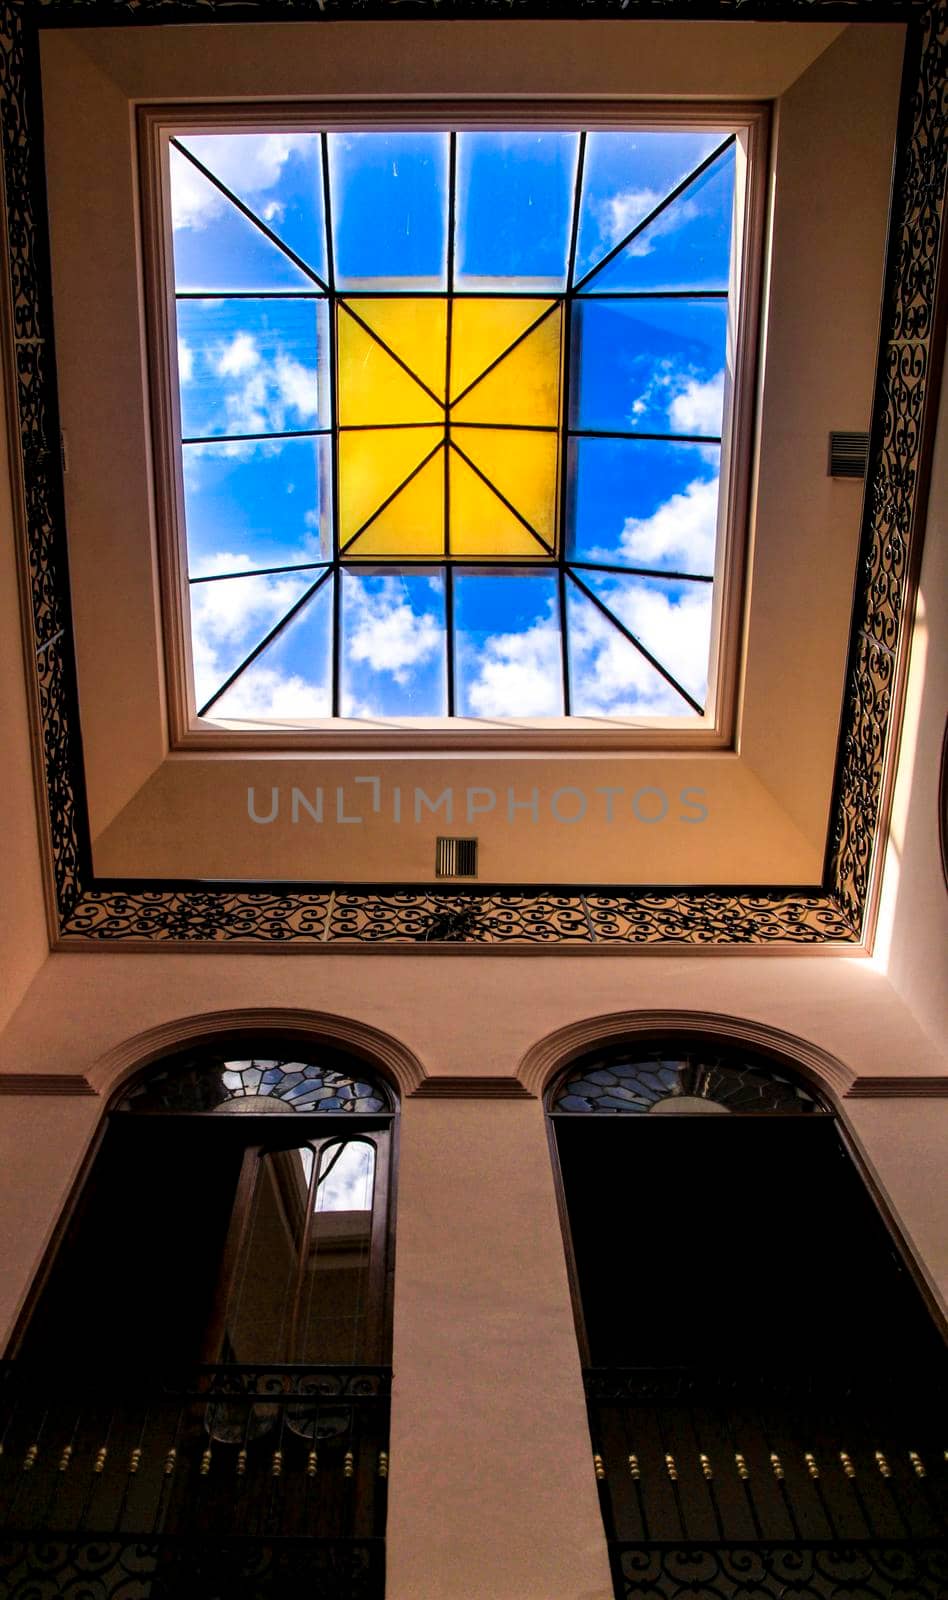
(723, 1486)
(248, 1481)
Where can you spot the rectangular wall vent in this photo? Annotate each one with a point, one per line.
(848, 455)
(456, 858)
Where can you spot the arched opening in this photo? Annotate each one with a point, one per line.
(204, 1375)
(762, 1374)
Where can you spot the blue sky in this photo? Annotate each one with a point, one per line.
(259, 365)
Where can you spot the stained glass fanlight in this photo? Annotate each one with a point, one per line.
(452, 408)
(688, 1080)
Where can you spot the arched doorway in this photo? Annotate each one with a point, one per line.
(762, 1375)
(201, 1391)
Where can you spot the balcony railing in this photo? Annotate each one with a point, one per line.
(237, 1481)
(725, 1486)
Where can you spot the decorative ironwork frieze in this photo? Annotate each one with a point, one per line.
(808, 1571)
(903, 421)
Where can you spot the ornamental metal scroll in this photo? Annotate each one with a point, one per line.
(316, 916)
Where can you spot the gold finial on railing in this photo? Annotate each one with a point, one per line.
(101, 1456)
(918, 1465)
(383, 1463)
(882, 1464)
(206, 1462)
(312, 1464)
(241, 1461)
(742, 1471)
(277, 1467)
(29, 1460)
(635, 1470)
(811, 1463)
(348, 1465)
(135, 1460)
(847, 1464)
(777, 1466)
(706, 1466)
(599, 1468)
(170, 1460)
(65, 1459)
(670, 1466)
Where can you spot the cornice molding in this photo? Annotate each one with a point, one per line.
(921, 1088)
(549, 1055)
(396, 1062)
(472, 1088)
(46, 1083)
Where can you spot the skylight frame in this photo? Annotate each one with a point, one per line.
(748, 125)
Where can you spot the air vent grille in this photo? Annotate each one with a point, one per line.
(848, 455)
(456, 858)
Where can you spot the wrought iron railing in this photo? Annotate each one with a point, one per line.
(719, 1487)
(239, 1481)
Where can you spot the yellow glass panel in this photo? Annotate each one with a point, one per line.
(373, 387)
(372, 465)
(413, 525)
(524, 387)
(481, 330)
(481, 525)
(417, 330)
(523, 466)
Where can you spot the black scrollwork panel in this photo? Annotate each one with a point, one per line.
(827, 1571)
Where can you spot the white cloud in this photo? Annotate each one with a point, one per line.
(698, 407)
(241, 355)
(229, 618)
(386, 634)
(258, 395)
(249, 164)
(185, 361)
(264, 694)
(520, 674)
(622, 212)
(611, 678)
(682, 532)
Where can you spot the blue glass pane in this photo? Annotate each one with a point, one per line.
(688, 246)
(515, 202)
(230, 617)
(291, 680)
(609, 677)
(641, 503)
(508, 660)
(671, 618)
(654, 365)
(389, 209)
(223, 251)
(278, 176)
(393, 644)
(252, 366)
(625, 176)
(256, 505)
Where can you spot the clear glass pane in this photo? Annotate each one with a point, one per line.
(643, 503)
(671, 618)
(688, 246)
(515, 206)
(508, 659)
(230, 617)
(652, 365)
(251, 505)
(291, 680)
(253, 366)
(217, 248)
(393, 643)
(278, 176)
(389, 209)
(609, 677)
(260, 1303)
(625, 176)
(334, 1299)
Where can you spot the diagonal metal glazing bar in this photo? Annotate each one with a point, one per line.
(643, 572)
(553, 306)
(502, 498)
(344, 305)
(248, 660)
(259, 572)
(252, 217)
(394, 494)
(249, 438)
(656, 212)
(652, 660)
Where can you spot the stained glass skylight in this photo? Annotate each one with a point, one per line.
(452, 408)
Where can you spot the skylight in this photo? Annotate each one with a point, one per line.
(451, 411)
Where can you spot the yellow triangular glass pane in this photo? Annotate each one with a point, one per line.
(372, 387)
(522, 465)
(481, 330)
(413, 525)
(417, 330)
(372, 465)
(481, 525)
(524, 387)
